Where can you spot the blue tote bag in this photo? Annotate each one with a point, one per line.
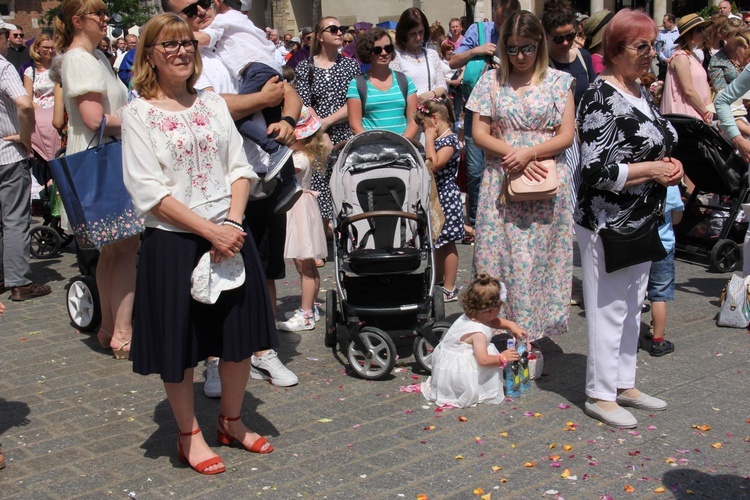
(99, 208)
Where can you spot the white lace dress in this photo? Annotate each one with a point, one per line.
(457, 379)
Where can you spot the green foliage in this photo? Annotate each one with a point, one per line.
(132, 12)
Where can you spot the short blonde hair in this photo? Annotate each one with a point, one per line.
(523, 24)
(34, 50)
(144, 79)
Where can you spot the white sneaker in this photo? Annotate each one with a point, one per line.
(212, 387)
(316, 312)
(298, 322)
(269, 367)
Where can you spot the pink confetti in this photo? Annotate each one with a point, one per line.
(410, 388)
(651, 428)
(408, 412)
(563, 406)
(528, 414)
(683, 451)
(415, 377)
(355, 426)
(555, 464)
(634, 433)
(683, 461)
(591, 441)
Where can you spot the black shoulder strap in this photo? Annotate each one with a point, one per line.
(361, 89)
(403, 83)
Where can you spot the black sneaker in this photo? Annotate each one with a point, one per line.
(661, 348)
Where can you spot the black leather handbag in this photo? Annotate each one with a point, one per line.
(627, 246)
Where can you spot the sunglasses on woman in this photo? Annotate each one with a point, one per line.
(557, 40)
(376, 51)
(192, 10)
(527, 50)
(333, 29)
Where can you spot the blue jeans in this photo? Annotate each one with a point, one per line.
(252, 80)
(474, 169)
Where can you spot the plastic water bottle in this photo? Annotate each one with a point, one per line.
(512, 375)
(525, 376)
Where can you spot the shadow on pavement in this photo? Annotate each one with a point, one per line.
(14, 414)
(691, 483)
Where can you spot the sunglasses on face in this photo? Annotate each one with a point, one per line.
(172, 47)
(333, 29)
(564, 38)
(192, 10)
(17, 35)
(643, 49)
(376, 51)
(99, 13)
(527, 50)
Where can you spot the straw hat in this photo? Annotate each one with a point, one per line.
(690, 21)
(594, 28)
(307, 124)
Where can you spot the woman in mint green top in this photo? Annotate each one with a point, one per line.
(386, 106)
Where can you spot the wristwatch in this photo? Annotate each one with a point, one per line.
(291, 121)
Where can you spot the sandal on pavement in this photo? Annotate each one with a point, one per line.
(121, 352)
(202, 466)
(104, 338)
(226, 439)
(661, 348)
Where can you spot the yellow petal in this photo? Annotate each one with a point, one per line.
(462, 419)
(421, 496)
(459, 457)
(324, 420)
(513, 445)
(488, 496)
(503, 480)
(567, 447)
(660, 489)
(554, 458)
(553, 446)
(478, 491)
(629, 489)
(690, 492)
(716, 445)
(496, 468)
(537, 415)
(703, 427)
(431, 427)
(670, 460)
(565, 474)
(529, 464)
(504, 434)
(570, 424)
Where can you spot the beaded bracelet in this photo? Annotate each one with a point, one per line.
(234, 224)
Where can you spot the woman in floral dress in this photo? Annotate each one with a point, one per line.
(525, 244)
(321, 82)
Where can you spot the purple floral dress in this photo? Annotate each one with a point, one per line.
(527, 245)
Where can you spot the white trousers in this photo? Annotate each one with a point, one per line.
(613, 318)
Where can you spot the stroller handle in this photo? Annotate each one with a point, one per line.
(382, 213)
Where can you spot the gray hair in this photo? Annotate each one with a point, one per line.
(55, 70)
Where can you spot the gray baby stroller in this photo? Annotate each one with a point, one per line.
(385, 287)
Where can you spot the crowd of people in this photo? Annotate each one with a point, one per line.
(227, 132)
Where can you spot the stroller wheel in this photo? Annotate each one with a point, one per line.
(83, 303)
(438, 303)
(331, 318)
(423, 348)
(45, 242)
(379, 358)
(725, 256)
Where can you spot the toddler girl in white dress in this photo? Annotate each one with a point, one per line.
(466, 366)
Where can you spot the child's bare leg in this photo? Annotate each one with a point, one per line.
(659, 319)
(450, 265)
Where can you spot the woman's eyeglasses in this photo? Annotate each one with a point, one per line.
(192, 10)
(527, 50)
(559, 39)
(376, 51)
(172, 47)
(333, 29)
(99, 13)
(643, 49)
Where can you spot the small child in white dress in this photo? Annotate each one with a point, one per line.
(466, 366)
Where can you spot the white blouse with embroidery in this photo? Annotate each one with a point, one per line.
(193, 155)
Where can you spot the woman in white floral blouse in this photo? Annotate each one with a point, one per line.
(625, 166)
(187, 172)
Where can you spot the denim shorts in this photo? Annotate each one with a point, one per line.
(661, 279)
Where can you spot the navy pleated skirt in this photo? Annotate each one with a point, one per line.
(172, 331)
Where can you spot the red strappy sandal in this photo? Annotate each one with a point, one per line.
(226, 439)
(202, 466)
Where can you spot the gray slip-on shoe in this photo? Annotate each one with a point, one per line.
(620, 417)
(642, 402)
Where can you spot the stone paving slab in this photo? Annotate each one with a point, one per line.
(75, 423)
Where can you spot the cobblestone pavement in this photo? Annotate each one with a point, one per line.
(74, 422)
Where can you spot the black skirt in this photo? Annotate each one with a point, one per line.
(172, 331)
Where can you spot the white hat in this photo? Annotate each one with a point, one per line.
(209, 279)
(7, 26)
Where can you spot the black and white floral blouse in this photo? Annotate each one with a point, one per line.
(614, 133)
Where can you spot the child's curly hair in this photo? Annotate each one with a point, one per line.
(482, 294)
(441, 106)
(317, 150)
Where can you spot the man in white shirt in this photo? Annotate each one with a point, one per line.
(725, 8)
(268, 229)
(666, 41)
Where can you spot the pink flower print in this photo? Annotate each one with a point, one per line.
(200, 119)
